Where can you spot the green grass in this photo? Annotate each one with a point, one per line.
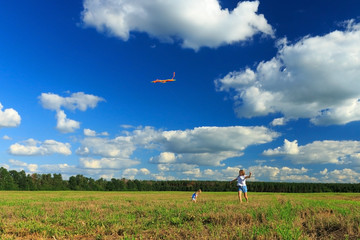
(171, 215)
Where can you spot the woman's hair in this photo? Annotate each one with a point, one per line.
(241, 172)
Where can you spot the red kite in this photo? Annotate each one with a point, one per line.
(165, 80)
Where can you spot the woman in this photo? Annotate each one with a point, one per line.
(241, 183)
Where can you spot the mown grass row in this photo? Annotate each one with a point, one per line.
(171, 215)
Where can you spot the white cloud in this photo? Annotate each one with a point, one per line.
(131, 173)
(279, 121)
(349, 111)
(265, 172)
(111, 163)
(208, 146)
(22, 165)
(92, 133)
(164, 157)
(195, 173)
(77, 100)
(161, 177)
(232, 172)
(181, 169)
(32, 147)
(63, 168)
(4, 165)
(345, 175)
(200, 159)
(215, 139)
(316, 77)
(298, 178)
(6, 137)
(176, 167)
(164, 167)
(117, 152)
(89, 132)
(64, 124)
(287, 170)
(9, 117)
(202, 146)
(319, 152)
(259, 173)
(17, 163)
(71, 170)
(144, 171)
(288, 148)
(208, 159)
(32, 167)
(180, 151)
(324, 172)
(226, 174)
(120, 147)
(269, 173)
(196, 23)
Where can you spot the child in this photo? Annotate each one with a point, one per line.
(241, 183)
(195, 195)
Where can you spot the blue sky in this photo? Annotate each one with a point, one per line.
(268, 86)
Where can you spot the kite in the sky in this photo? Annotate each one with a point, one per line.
(165, 80)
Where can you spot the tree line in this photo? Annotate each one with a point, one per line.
(14, 180)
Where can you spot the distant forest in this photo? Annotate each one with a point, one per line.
(13, 180)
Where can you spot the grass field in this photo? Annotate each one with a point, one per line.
(171, 215)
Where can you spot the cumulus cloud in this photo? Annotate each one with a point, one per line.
(316, 78)
(193, 171)
(229, 173)
(288, 149)
(163, 158)
(89, 132)
(203, 146)
(103, 163)
(345, 175)
(265, 172)
(286, 174)
(180, 169)
(112, 167)
(195, 23)
(215, 139)
(23, 165)
(92, 133)
(209, 146)
(259, 173)
(6, 137)
(208, 159)
(119, 147)
(71, 170)
(319, 152)
(9, 117)
(63, 168)
(197, 141)
(64, 124)
(79, 100)
(324, 172)
(279, 122)
(132, 172)
(200, 159)
(32, 147)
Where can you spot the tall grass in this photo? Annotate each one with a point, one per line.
(171, 215)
